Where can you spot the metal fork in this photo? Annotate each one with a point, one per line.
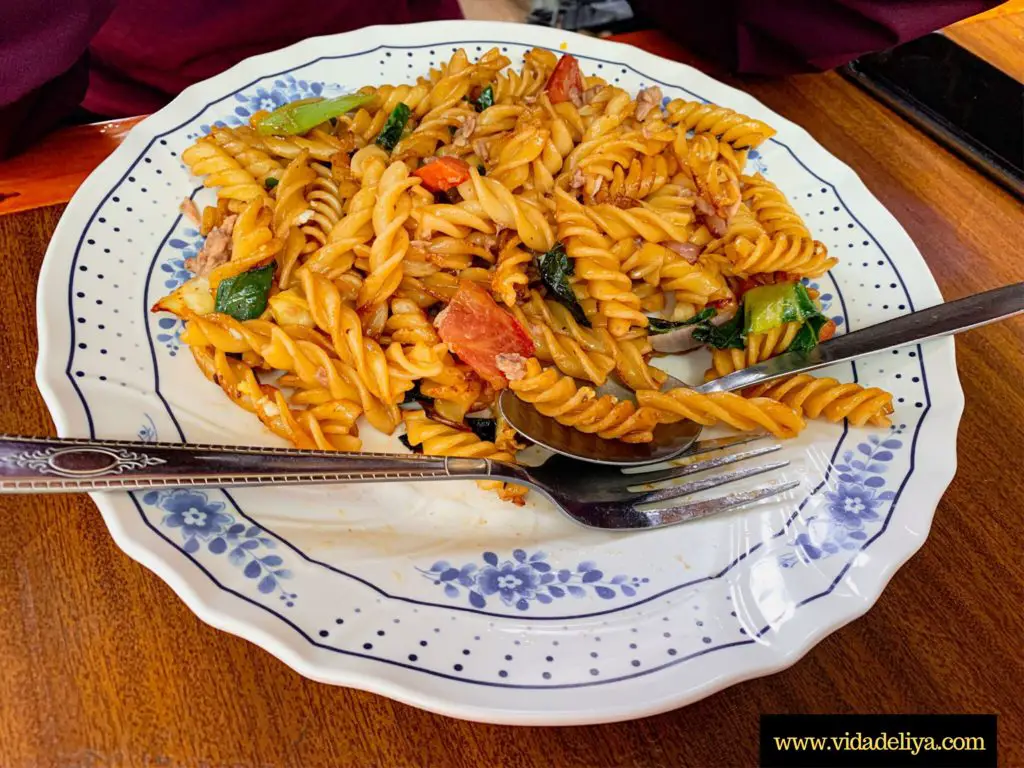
(592, 495)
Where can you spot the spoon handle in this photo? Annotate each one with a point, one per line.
(931, 323)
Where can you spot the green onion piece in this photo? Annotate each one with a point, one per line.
(392, 130)
(292, 119)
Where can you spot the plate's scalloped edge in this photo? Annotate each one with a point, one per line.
(223, 611)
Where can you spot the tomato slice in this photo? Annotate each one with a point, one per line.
(566, 82)
(443, 174)
(477, 330)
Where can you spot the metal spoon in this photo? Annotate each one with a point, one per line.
(670, 440)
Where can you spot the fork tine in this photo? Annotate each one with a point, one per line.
(647, 478)
(698, 509)
(720, 443)
(694, 486)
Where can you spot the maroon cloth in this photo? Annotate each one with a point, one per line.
(782, 37)
(136, 55)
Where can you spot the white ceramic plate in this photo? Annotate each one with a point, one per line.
(438, 594)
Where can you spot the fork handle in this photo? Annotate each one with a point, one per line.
(66, 465)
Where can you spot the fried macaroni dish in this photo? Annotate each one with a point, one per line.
(403, 253)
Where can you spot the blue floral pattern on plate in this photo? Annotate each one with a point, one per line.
(852, 506)
(175, 274)
(147, 432)
(526, 579)
(204, 522)
(756, 160)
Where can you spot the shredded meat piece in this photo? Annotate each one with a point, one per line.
(190, 212)
(703, 206)
(591, 93)
(215, 251)
(647, 100)
(465, 131)
(576, 96)
(578, 179)
(717, 225)
(512, 364)
(688, 251)
(480, 148)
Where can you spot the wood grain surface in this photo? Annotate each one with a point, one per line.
(52, 170)
(102, 665)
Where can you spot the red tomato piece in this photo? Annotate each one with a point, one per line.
(443, 174)
(566, 82)
(477, 330)
(828, 330)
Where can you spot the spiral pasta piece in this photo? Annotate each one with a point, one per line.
(510, 211)
(208, 159)
(355, 229)
(772, 208)
(391, 240)
(796, 256)
(242, 145)
(828, 399)
(597, 262)
(291, 208)
(325, 199)
(735, 129)
(739, 412)
(329, 426)
(758, 348)
(557, 396)
(438, 439)
(340, 321)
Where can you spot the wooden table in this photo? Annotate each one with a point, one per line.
(100, 664)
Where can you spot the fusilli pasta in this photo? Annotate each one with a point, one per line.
(337, 254)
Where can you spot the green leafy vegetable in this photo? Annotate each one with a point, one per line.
(806, 338)
(769, 306)
(728, 335)
(392, 130)
(485, 429)
(291, 119)
(655, 325)
(244, 296)
(271, 182)
(485, 100)
(555, 270)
